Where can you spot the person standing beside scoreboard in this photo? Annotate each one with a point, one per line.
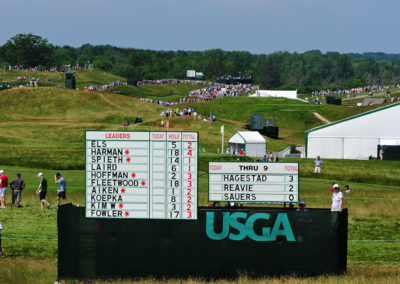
(337, 199)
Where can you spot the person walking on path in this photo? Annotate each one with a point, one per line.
(3, 188)
(318, 165)
(42, 191)
(17, 185)
(63, 188)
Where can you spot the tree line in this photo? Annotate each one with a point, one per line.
(311, 70)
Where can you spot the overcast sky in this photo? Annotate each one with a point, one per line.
(258, 26)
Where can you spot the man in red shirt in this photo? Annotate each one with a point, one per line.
(3, 188)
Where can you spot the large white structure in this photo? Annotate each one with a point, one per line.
(252, 143)
(275, 94)
(356, 137)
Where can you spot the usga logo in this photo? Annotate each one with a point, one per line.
(245, 227)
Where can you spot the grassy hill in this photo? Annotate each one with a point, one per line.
(84, 78)
(167, 92)
(45, 126)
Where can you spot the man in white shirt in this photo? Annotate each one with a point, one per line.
(318, 165)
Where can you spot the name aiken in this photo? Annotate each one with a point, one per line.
(104, 190)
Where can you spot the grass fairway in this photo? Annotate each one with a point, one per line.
(29, 237)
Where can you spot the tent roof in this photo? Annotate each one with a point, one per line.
(371, 101)
(247, 137)
(351, 118)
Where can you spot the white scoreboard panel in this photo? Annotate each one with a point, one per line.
(149, 175)
(254, 182)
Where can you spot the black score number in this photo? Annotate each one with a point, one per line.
(174, 214)
(173, 152)
(174, 183)
(173, 160)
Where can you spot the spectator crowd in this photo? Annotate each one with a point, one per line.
(355, 92)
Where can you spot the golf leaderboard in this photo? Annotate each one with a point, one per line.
(143, 175)
(254, 182)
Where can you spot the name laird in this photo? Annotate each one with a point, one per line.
(259, 178)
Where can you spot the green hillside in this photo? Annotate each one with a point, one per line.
(84, 78)
(44, 127)
(167, 92)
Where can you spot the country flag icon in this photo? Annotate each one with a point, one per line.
(128, 159)
(133, 175)
(121, 205)
(126, 213)
(126, 152)
(143, 183)
(123, 190)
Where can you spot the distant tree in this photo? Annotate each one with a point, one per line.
(269, 76)
(29, 50)
(352, 82)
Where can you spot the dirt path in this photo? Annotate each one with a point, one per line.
(103, 97)
(320, 117)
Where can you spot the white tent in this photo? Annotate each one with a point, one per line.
(252, 143)
(276, 94)
(356, 137)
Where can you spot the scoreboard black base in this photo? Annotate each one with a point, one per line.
(221, 243)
